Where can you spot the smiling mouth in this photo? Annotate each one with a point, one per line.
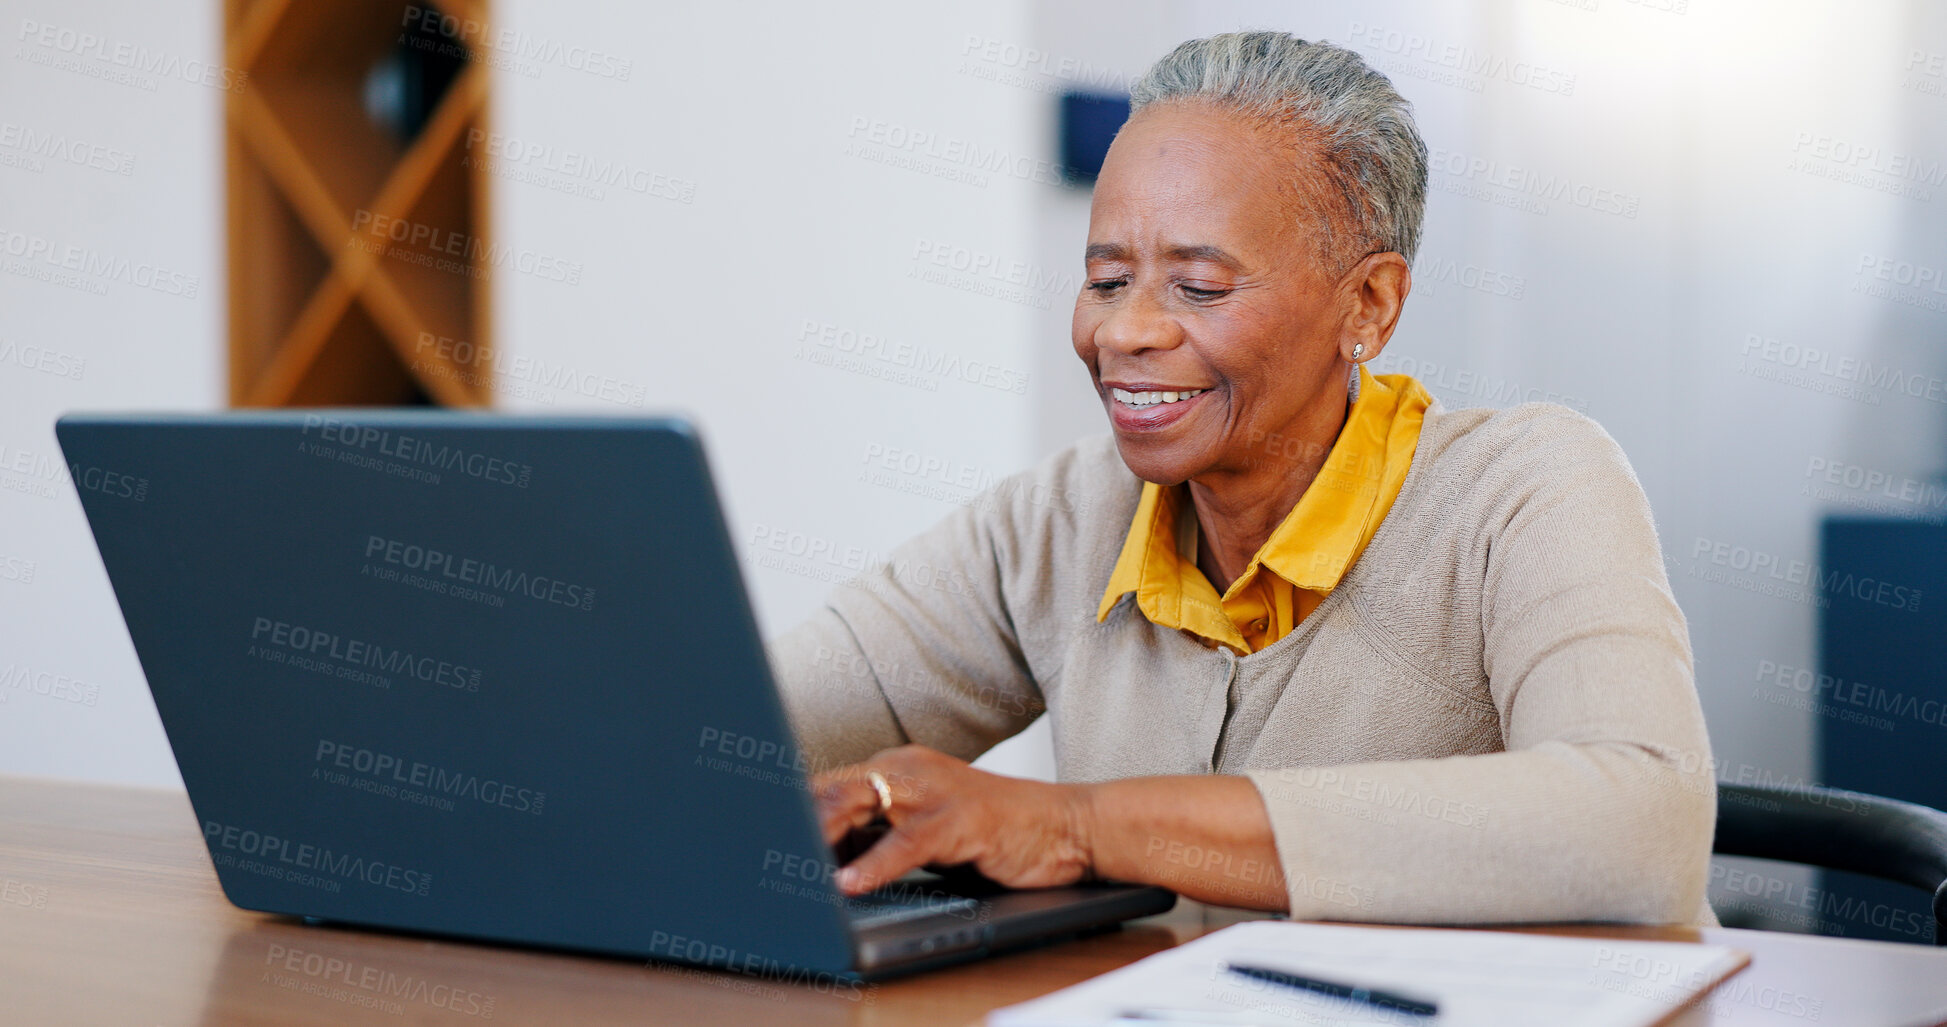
(1153, 397)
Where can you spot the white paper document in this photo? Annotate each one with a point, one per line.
(1486, 978)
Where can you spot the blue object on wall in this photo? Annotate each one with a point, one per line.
(405, 86)
(1089, 122)
(1881, 697)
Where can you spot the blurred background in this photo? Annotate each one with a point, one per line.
(846, 237)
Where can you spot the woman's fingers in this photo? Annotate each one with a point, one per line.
(899, 851)
(1021, 833)
(845, 800)
(848, 799)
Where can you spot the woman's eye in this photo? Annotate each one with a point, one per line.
(1107, 285)
(1196, 293)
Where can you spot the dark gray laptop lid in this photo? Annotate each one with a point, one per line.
(464, 674)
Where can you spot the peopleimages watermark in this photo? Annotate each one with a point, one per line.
(756, 965)
(1819, 370)
(810, 877)
(359, 655)
(1808, 907)
(303, 863)
(1468, 275)
(467, 578)
(1474, 387)
(987, 274)
(1865, 488)
(30, 150)
(43, 360)
(88, 269)
(96, 56)
(568, 171)
(900, 361)
(1032, 68)
(508, 48)
(746, 755)
(1851, 701)
(455, 252)
(822, 559)
(18, 569)
(955, 482)
(1797, 579)
(911, 463)
(362, 984)
(1371, 797)
(1926, 72)
(23, 894)
(523, 375)
(1511, 185)
(1212, 866)
(32, 472)
(944, 156)
(397, 776)
(1700, 773)
(1635, 973)
(110, 483)
(769, 761)
(1453, 64)
(439, 456)
(50, 684)
(1901, 281)
(1867, 166)
(35, 472)
(902, 680)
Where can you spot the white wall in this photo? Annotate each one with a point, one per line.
(837, 158)
(1695, 116)
(118, 170)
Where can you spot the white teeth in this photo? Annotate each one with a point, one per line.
(1147, 399)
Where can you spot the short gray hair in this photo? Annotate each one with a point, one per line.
(1366, 142)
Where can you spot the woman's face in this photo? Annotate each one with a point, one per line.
(1204, 283)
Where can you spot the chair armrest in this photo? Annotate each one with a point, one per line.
(1839, 830)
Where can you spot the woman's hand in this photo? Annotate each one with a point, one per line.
(1021, 833)
(1206, 837)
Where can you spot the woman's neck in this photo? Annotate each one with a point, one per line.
(1238, 512)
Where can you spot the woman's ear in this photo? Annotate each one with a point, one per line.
(1376, 289)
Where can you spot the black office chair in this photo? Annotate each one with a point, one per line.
(1839, 830)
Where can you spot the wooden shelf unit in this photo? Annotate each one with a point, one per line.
(335, 222)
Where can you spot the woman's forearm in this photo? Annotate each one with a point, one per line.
(1205, 837)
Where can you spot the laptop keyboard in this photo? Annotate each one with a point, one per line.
(897, 903)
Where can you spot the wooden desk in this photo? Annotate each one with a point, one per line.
(110, 914)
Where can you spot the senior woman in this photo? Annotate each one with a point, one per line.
(1309, 641)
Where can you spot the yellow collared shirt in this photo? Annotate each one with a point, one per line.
(1303, 559)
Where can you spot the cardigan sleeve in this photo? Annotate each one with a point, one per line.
(1602, 807)
(922, 648)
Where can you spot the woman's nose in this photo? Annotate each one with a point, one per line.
(1138, 323)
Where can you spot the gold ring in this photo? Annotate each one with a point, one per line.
(879, 785)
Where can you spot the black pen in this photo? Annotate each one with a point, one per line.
(1350, 992)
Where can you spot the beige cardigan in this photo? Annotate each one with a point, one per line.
(1491, 719)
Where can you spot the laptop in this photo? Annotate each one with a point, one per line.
(495, 678)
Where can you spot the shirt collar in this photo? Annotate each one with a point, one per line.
(1319, 539)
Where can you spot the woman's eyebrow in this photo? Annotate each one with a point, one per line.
(1185, 251)
(1205, 252)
